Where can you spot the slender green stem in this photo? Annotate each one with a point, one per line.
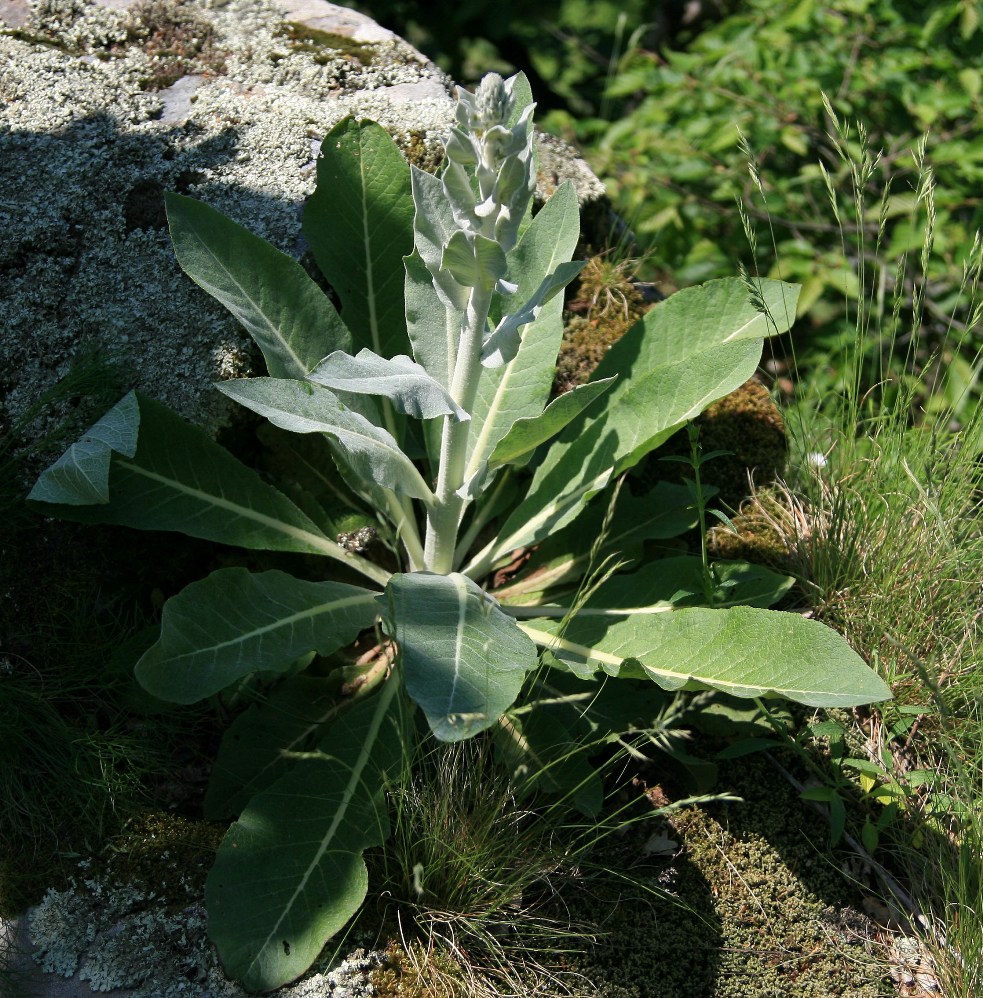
(401, 515)
(360, 564)
(532, 612)
(401, 506)
(696, 457)
(528, 612)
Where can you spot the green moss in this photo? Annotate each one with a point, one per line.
(166, 854)
(326, 46)
(757, 909)
(750, 906)
(426, 975)
(749, 425)
(585, 342)
(35, 38)
(421, 151)
(603, 305)
(177, 39)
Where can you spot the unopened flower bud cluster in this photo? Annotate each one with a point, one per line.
(498, 156)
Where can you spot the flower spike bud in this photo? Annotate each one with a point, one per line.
(493, 103)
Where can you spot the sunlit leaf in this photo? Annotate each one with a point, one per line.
(291, 319)
(743, 651)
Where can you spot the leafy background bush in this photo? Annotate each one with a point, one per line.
(673, 154)
(659, 96)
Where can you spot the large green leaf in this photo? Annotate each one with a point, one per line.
(302, 407)
(526, 434)
(434, 328)
(304, 464)
(463, 660)
(291, 319)
(474, 261)
(290, 872)
(664, 512)
(434, 225)
(744, 651)
(502, 343)
(180, 479)
(677, 581)
(686, 353)
(359, 225)
(256, 747)
(232, 623)
(435, 302)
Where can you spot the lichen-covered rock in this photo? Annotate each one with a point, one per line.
(106, 105)
(102, 936)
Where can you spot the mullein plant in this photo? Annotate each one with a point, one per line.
(421, 405)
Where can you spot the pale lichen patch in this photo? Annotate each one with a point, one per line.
(86, 154)
(120, 936)
(88, 146)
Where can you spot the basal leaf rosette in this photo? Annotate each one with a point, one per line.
(420, 404)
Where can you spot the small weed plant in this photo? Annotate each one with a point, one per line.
(428, 466)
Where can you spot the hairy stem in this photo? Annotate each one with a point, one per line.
(445, 518)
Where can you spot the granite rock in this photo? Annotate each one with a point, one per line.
(106, 104)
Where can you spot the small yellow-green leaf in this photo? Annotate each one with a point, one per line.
(794, 138)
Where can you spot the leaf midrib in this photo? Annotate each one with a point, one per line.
(547, 640)
(318, 541)
(274, 330)
(338, 604)
(354, 781)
